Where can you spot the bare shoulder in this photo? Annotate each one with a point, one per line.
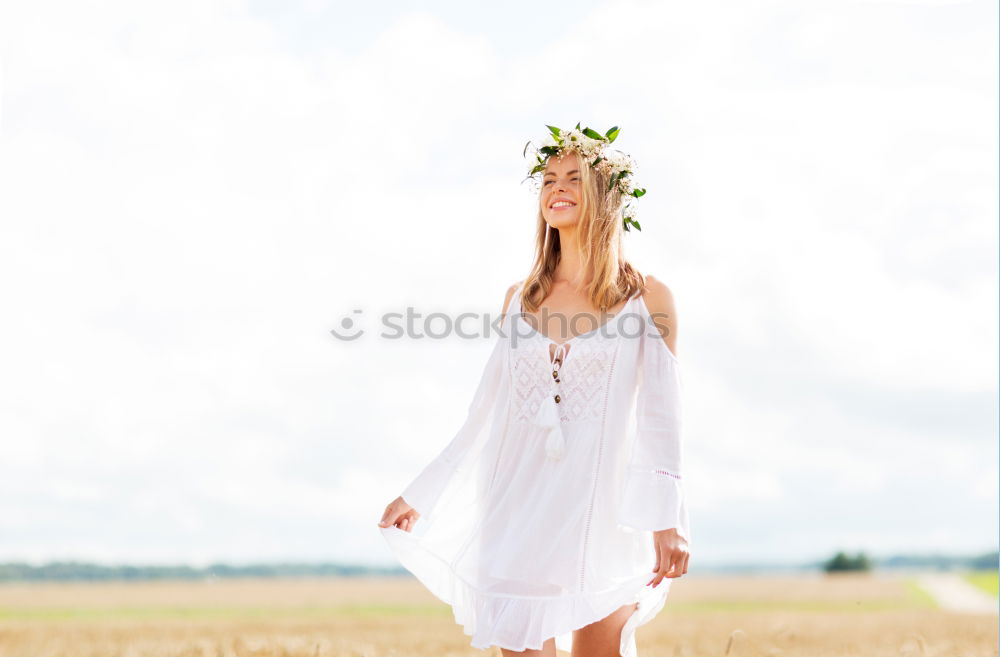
(658, 297)
(510, 293)
(662, 309)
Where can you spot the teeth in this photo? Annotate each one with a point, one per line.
(563, 204)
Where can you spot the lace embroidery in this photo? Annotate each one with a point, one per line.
(530, 379)
(583, 378)
(656, 471)
(664, 472)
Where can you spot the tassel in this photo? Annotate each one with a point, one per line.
(548, 420)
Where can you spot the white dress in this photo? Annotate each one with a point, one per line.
(537, 518)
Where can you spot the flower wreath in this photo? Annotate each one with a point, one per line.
(591, 144)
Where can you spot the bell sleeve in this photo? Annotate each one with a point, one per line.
(653, 496)
(425, 490)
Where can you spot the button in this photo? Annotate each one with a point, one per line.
(555, 374)
(558, 399)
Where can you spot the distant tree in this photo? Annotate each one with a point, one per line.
(838, 563)
(988, 561)
(841, 562)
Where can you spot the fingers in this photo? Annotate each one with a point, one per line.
(669, 563)
(675, 566)
(394, 517)
(390, 516)
(395, 510)
(656, 566)
(678, 563)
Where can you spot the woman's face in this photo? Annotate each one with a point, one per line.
(561, 190)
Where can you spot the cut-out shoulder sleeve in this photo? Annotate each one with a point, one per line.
(425, 490)
(653, 497)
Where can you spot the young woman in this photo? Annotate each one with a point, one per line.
(556, 518)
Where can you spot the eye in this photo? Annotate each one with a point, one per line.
(546, 183)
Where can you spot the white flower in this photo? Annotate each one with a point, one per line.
(619, 160)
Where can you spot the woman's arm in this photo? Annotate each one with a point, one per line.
(421, 495)
(653, 498)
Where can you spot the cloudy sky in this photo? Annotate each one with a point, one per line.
(193, 194)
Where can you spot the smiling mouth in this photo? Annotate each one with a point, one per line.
(562, 206)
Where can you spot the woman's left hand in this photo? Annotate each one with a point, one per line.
(671, 555)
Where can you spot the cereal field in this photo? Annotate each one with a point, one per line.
(817, 616)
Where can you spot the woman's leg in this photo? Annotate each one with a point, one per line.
(604, 637)
(548, 650)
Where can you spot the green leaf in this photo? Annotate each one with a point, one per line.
(536, 169)
(524, 152)
(578, 125)
(593, 134)
(612, 134)
(613, 180)
(594, 163)
(549, 150)
(554, 130)
(638, 192)
(627, 221)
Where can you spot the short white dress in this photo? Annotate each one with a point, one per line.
(537, 518)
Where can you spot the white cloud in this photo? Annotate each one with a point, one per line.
(192, 197)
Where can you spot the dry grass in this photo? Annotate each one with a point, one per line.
(731, 616)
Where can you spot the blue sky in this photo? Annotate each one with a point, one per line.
(193, 194)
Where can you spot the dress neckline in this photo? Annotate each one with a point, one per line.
(617, 315)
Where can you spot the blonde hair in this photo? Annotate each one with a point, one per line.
(601, 247)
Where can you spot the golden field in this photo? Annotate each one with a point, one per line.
(795, 615)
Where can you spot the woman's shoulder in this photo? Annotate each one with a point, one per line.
(659, 300)
(657, 295)
(510, 295)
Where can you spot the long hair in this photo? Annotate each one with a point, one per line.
(601, 247)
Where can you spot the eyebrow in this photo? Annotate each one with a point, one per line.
(551, 173)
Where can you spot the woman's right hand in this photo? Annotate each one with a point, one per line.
(399, 514)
